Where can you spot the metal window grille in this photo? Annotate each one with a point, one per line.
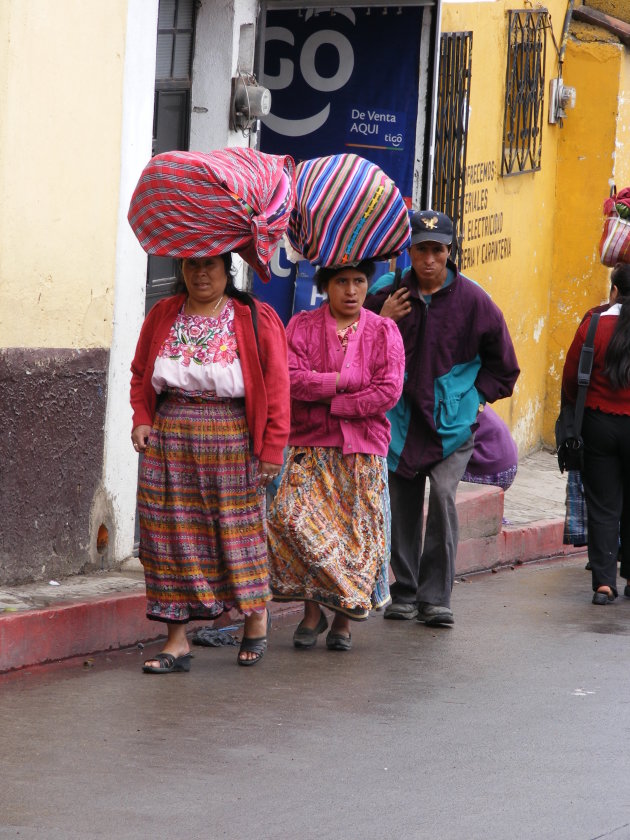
(453, 96)
(524, 92)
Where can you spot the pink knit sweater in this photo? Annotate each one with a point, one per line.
(370, 381)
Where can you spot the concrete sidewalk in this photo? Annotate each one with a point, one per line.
(47, 621)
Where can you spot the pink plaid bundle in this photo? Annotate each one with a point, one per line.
(188, 204)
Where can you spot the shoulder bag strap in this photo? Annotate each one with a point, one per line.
(584, 373)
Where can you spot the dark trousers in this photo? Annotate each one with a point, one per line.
(425, 573)
(606, 478)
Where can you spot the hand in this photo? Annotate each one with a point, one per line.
(140, 437)
(268, 472)
(396, 306)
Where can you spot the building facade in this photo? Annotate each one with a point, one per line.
(82, 116)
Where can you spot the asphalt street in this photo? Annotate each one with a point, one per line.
(512, 724)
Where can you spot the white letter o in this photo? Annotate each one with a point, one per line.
(346, 60)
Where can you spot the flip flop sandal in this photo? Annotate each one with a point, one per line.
(168, 663)
(258, 646)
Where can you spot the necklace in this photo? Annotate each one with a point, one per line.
(212, 311)
(216, 306)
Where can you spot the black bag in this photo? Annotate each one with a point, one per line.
(569, 443)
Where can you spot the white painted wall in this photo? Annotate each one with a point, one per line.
(215, 63)
(120, 463)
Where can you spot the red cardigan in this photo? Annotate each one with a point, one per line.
(265, 375)
(600, 394)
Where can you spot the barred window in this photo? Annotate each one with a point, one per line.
(453, 96)
(524, 92)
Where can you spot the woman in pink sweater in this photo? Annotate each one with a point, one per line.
(328, 527)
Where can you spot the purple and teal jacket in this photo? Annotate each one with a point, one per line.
(458, 356)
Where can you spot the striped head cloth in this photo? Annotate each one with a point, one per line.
(347, 210)
(188, 204)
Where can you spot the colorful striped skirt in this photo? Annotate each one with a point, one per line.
(202, 513)
(328, 531)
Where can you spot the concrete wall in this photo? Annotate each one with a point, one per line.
(541, 266)
(508, 243)
(115, 500)
(77, 88)
(61, 89)
(593, 150)
(60, 156)
(616, 8)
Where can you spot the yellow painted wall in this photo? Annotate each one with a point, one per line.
(622, 151)
(617, 8)
(61, 91)
(519, 280)
(586, 162)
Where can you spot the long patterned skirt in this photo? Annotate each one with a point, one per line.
(328, 531)
(202, 513)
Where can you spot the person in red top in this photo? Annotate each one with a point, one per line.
(210, 400)
(606, 432)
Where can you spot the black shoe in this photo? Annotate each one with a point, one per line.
(433, 616)
(626, 590)
(400, 611)
(603, 598)
(306, 637)
(338, 641)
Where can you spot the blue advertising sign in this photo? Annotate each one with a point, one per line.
(279, 291)
(342, 80)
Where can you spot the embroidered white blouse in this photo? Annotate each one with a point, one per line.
(200, 356)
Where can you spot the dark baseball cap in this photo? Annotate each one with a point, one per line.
(431, 226)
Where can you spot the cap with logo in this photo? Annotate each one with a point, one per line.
(431, 226)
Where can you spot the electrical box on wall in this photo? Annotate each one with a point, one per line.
(561, 97)
(250, 101)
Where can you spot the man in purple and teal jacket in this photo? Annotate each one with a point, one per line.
(459, 355)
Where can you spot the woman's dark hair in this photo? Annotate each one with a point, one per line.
(323, 276)
(617, 360)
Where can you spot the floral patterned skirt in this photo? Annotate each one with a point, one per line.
(328, 531)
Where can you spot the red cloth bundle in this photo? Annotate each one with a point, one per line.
(189, 204)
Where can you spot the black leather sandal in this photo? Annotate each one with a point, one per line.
(257, 646)
(169, 664)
